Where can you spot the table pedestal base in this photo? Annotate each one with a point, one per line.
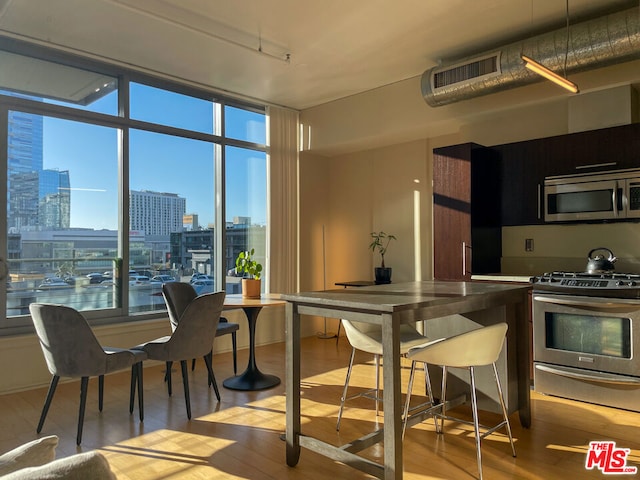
(252, 380)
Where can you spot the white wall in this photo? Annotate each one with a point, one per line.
(379, 141)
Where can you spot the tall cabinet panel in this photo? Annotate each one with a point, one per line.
(466, 211)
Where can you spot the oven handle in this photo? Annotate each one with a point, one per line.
(594, 377)
(599, 305)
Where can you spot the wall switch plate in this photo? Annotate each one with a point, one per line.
(528, 244)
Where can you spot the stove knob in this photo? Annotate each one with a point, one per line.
(632, 283)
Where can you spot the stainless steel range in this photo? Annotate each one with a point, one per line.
(586, 337)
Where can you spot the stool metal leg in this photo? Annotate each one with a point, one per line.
(428, 392)
(346, 386)
(476, 425)
(504, 409)
(443, 401)
(408, 398)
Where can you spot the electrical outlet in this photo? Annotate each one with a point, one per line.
(528, 244)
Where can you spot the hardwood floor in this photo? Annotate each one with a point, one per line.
(240, 436)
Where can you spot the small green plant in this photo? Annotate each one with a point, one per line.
(245, 264)
(380, 243)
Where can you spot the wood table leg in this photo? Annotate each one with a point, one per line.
(292, 435)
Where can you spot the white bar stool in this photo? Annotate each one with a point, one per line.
(468, 350)
(368, 338)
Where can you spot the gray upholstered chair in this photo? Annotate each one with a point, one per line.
(368, 338)
(177, 295)
(71, 349)
(193, 337)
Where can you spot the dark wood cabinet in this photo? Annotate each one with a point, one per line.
(523, 167)
(612, 148)
(526, 164)
(477, 190)
(466, 211)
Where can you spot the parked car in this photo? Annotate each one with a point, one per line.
(138, 280)
(203, 285)
(162, 279)
(95, 277)
(53, 283)
(200, 276)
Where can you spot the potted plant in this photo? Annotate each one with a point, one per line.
(251, 271)
(379, 244)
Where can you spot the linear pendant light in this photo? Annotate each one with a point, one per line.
(548, 74)
(544, 71)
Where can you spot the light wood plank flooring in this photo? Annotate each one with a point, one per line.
(239, 438)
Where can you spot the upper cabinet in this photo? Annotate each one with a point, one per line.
(526, 164)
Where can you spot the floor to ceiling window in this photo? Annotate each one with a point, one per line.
(112, 189)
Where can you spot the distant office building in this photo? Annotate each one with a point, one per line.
(190, 222)
(54, 202)
(24, 147)
(156, 213)
(24, 157)
(185, 243)
(39, 200)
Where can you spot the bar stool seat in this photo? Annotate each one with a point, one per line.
(469, 350)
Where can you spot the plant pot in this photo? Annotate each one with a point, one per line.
(250, 288)
(383, 275)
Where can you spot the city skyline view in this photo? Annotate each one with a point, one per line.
(64, 220)
(94, 182)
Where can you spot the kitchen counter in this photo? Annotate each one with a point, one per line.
(447, 308)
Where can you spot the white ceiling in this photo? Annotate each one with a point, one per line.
(337, 48)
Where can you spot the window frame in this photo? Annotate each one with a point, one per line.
(123, 123)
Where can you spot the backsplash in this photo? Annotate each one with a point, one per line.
(566, 247)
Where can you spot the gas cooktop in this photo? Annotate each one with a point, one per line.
(609, 284)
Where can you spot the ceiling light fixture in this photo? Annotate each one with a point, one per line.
(548, 74)
(545, 72)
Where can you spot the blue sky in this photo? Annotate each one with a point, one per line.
(158, 162)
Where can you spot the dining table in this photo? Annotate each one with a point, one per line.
(390, 306)
(252, 378)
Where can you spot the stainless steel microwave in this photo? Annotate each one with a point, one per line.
(613, 195)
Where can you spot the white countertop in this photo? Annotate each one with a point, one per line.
(502, 277)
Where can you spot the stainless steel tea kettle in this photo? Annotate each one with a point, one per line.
(600, 264)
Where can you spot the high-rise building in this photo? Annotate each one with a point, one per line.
(54, 202)
(24, 162)
(24, 143)
(39, 200)
(156, 213)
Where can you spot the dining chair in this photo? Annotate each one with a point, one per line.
(368, 338)
(480, 347)
(177, 295)
(193, 337)
(72, 350)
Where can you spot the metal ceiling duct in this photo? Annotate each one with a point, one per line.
(596, 43)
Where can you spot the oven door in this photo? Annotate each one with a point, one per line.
(590, 333)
